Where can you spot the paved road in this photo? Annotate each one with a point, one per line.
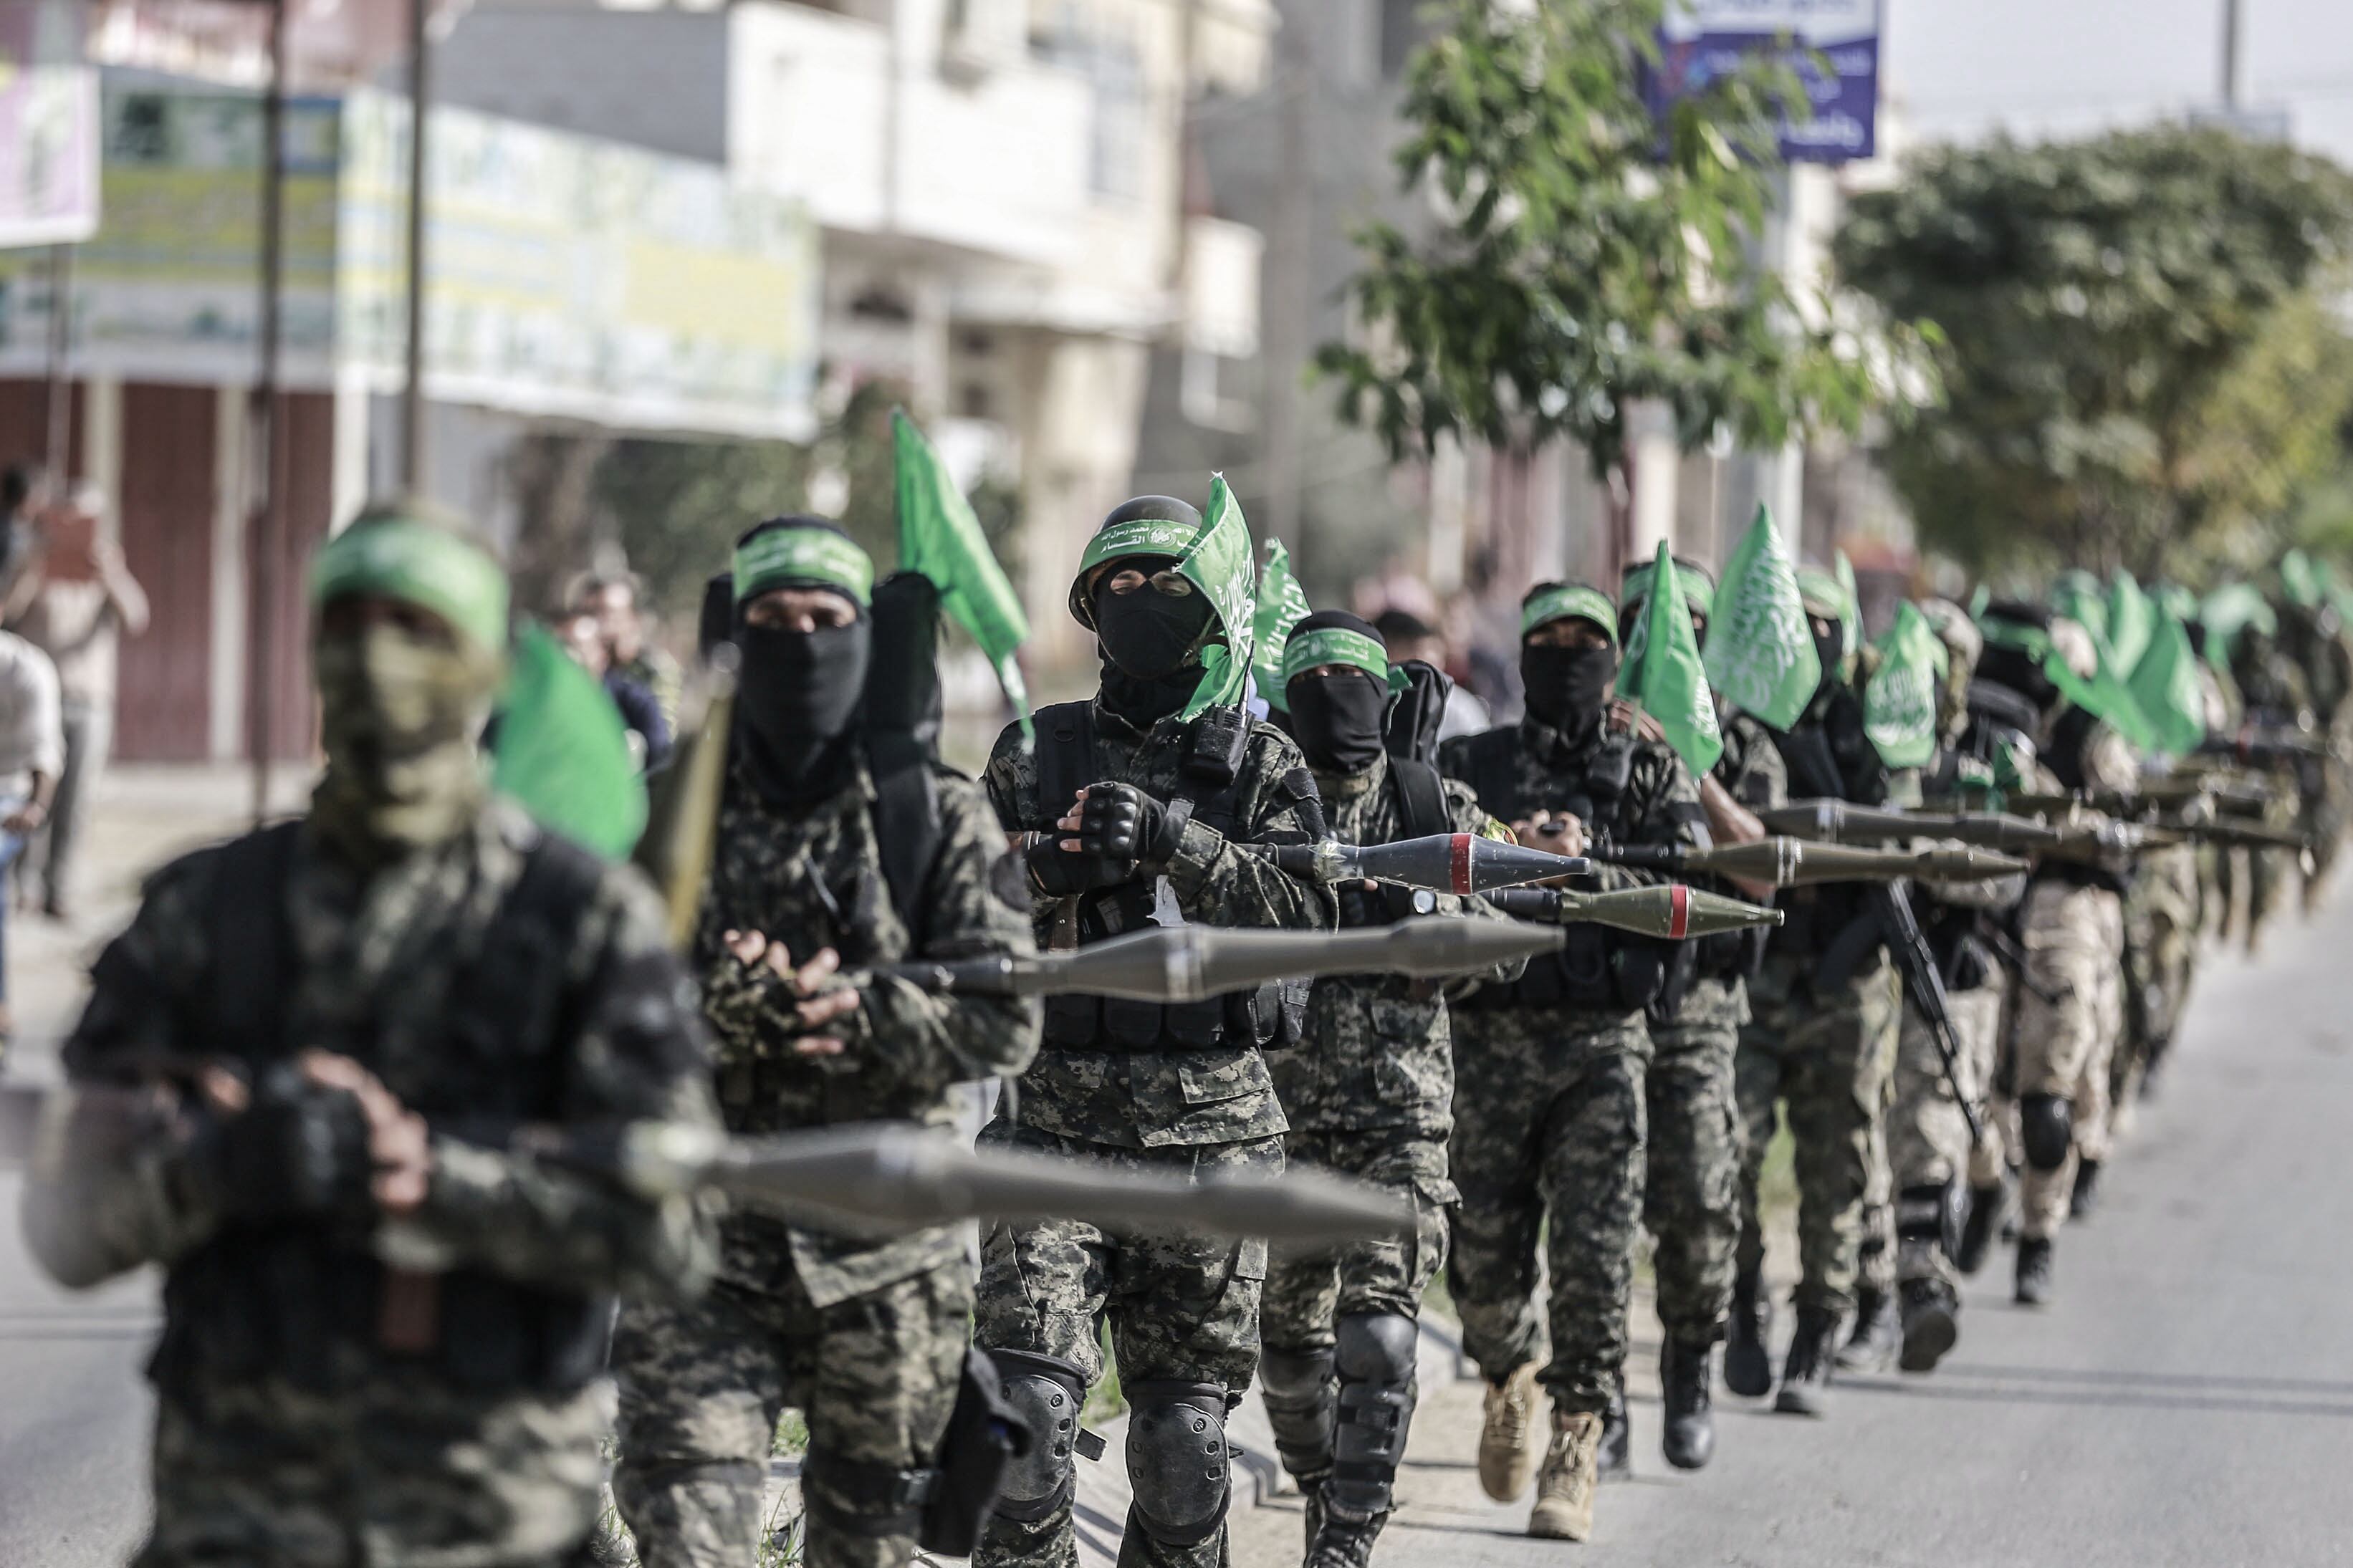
(2186, 1399)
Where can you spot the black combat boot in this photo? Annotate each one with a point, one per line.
(2033, 1270)
(1871, 1346)
(1932, 1311)
(1747, 1347)
(1311, 1499)
(1684, 1369)
(1342, 1538)
(1987, 1206)
(2085, 1198)
(1806, 1374)
(1616, 1460)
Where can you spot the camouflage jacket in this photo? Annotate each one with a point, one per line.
(814, 882)
(1658, 805)
(1751, 770)
(1379, 1051)
(1148, 1100)
(377, 960)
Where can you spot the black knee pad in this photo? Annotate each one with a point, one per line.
(1178, 1462)
(1298, 1394)
(1930, 1214)
(1376, 1361)
(1047, 1393)
(2046, 1125)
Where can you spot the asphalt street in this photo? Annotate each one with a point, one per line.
(2187, 1398)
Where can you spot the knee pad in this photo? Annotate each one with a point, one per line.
(1047, 1393)
(1929, 1215)
(2046, 1125)
(1177, 1461)
(1297, 1388)
(1376, 1361)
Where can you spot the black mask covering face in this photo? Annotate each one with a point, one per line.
(796, 708)
(1146, 638)
(1569, 687)
(1832, 651)
(1338, 720)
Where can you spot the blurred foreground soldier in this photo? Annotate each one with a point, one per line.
(1367, 1095)
(866, 1337)
(1820, 1044)
(2070, 1010)
(1691, 1199)
(309, 1083)
(1549, 1115)
(1139, 816)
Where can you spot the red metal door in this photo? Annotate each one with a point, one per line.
(165, 712)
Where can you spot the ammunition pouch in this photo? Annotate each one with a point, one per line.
(1596, 968)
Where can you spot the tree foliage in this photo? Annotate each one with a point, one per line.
(2136, 353)
(1590, 256)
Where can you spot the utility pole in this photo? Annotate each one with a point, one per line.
(1285, 308)
(2231, 56)
(411, 388)
(57, 394)
(266, 513)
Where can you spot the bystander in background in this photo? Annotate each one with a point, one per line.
(649, 735)
(616, 600)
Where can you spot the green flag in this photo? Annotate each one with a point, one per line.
(1899, 702)
(2132, 622)
(563, 753)
(2076, 594)
(1219, 565)
(2106, 696)
(1662, 673)
(2164, 684)
(1761, 655)
(2230, 610)
(2305, 580)
(1281, 604)
(940, 538)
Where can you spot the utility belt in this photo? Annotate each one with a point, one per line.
(1273, 1014)
(298, 1303)
(1600, 969)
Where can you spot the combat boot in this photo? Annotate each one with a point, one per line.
(1684, 1371)
(2033, 1270)
(1747, 1347)
(1987, 1206)
(2085, 1198)
(1931, 1324)
(1507, 1455)
(1616, 1460)
(1871, 1347)
(1806, 1374)
(1564, 1510)
(1342, 1538)
(1310, 1500)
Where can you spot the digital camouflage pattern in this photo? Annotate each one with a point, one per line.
(398, 1464)
(1549, 1113)
(700, 1388)
(2162, 917)
(1691, 1198)
(2074, 943)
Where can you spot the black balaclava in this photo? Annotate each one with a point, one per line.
(1569, 687)
(1151, 641)
(798, 698)
(1339, 720)
(2021, 672)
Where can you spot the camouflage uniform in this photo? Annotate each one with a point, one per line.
(284, 1434)
(865, 1337)
(1182, 1311)
(1550, 1120)
(2162, 917)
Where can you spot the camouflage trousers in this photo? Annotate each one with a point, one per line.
(2075, 953)
(1549, 1123)
(1691, 1198)
(2161, 924)
(1928, 1142)
(398, 1472)
(1310, 1288)
(1181, 1308)
(1824, 1058)
(702, 1386)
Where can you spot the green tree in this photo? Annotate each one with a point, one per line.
(1591, 256)
(2134, 355)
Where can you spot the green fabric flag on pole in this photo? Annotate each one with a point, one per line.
(2230, 610)
(1281, 604)
(2132, 622)
(2076, 594)
(1219, 565)
(1761, 655)
(2165, 685)
(1662, 674)
(1899, 701)
(940, 538)
(562, 753)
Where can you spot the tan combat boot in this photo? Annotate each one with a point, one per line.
(1507, 1451)
(1564, 1510)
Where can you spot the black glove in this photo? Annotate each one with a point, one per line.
(297, 1151)
(1121, 822)
(1062, 873)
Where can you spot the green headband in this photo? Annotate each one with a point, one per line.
(1141, 536)
(1699, 594)
(1575, 600)
(1823, 593)
(802, 558)
(395, 557)
(1334, 644)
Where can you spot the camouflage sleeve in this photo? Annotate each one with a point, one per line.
(1219, 883)
(1760, 779)
(1664, 808)
(102, 1193)
(977, 903)
(638, 1056)
(1012, 780)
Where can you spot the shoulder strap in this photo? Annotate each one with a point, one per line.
(252, 961)
(1421, 797)
(1066, 756)
(906, 822)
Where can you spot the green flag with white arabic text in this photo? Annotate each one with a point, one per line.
(1219, 565)
(1899, 701)
(1281, 604)
(1760, 654)
(1663, 676)
(2165, 685)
